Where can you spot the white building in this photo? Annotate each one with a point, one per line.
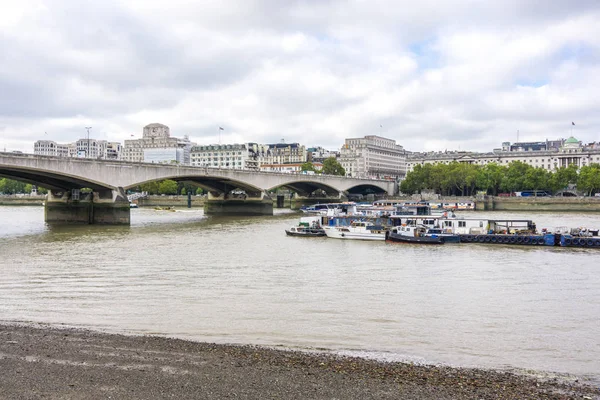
(83, 148)
(559, 153)
(157, 137)
(50, 148)
(282, 153)
(247, 155)
(233, 156)
(288, 168)
(373, 157)
(164, 155)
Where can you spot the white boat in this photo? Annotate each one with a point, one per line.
(356, 230)
(331, 209)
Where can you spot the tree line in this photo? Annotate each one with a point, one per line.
(462, 179)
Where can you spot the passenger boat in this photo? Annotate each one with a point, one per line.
(412, 234)
(361, 230)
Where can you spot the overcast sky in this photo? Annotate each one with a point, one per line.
(432, 75)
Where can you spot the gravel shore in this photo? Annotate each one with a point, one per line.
(63, 363)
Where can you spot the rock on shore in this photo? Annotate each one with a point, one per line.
(52, 362)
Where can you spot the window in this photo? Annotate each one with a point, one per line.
(462, 224)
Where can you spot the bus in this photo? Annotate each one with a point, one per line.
(532, 193)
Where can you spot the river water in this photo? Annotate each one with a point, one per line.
(241, 280)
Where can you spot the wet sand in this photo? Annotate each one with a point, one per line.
(63, 363)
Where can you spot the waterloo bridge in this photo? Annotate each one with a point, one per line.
(109, 180)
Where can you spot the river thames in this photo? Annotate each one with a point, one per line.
(241, 280)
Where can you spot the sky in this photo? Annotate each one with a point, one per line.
(432, 75)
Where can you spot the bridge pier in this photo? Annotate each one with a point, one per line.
(239, 205)
(109, 207)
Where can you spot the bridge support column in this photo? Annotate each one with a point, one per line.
(298, 201)
(241, 205)
(100, 207)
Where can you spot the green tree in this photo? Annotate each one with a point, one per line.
(536, 179)
(167, 187)
(151, 187)
(562, 177)
(183, 191)
(514, 178)
(489, 178)
(589, 179)
(307, 166)
(199, 191)
(9, 186)
(331, 166)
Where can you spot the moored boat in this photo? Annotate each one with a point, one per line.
(412, 234)
(305, 231)
(307, 227)
(356, 230)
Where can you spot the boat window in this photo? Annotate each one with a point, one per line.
(462, 224)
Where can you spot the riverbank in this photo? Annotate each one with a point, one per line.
(43, 361)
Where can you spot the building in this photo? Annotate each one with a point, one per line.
(319, 154)
(549, 155)
(83, 148)
(282, 153)
(288, 168)
(158, 145)
(234, 156)
(247, 155)
(50, 148)
(373, 157)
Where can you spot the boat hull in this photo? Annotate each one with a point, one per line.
(335, 233)
(397, 238)
(305, 232)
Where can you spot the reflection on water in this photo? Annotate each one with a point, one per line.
(241, 280)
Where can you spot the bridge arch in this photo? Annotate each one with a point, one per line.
(215, 184)
(49, 179)
(304, 188)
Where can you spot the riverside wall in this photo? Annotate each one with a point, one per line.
(575, 204)
(22, 200)
(484, 203)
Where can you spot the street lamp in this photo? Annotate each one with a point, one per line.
(87, 154)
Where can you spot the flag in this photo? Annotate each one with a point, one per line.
(221, 129)
(572, 123)
(381, 126)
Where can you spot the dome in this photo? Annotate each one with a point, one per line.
(572, 140)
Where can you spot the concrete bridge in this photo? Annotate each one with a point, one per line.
(109, 180)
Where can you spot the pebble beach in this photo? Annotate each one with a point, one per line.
(38, 361)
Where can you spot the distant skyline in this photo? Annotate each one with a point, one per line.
(457, 75)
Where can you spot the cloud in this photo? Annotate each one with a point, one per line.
(463, 74)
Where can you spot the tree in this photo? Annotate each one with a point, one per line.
(489, 178)
(307, 166)
(167, 187)
(9, 186)
(562, 177)
(536, 179)
(331, 166)
(151, 187)
(183, 191)
(589, 179)
(514, 178)
(199, 191)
